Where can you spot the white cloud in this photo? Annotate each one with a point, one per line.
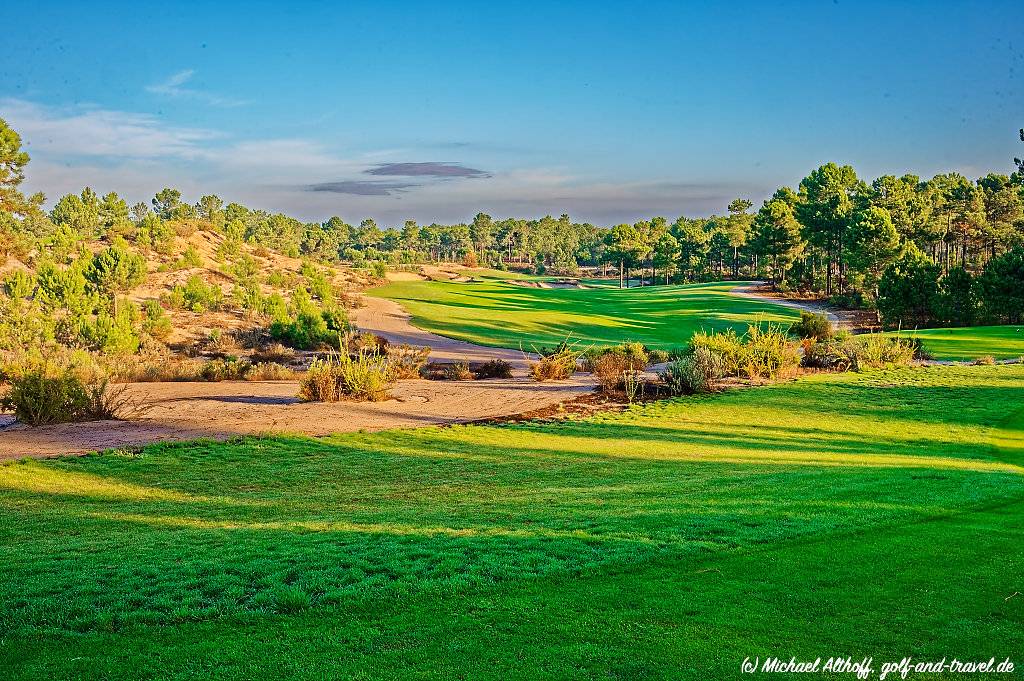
(174, 87)
(101, 132)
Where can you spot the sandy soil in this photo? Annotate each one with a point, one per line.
(187, 411)
(757, 291)
(387, 318)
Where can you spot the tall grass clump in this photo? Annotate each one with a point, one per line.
(556, 364)
(363, 376)
(875, 350)
(844, 352)
(762, 352)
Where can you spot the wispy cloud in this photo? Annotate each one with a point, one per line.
(175, 87)
(102, 132)
(426, 169)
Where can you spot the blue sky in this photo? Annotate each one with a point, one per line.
(434, 111)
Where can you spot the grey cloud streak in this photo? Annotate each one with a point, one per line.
(426, 169)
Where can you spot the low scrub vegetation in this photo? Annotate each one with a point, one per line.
(493, 368)
(763, 352)
(612, 366)
(363, 376)
(556, 364)
(407, 361)
(843, 352)
(43, 395)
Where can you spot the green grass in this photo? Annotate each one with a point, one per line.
(493, 312)
(872, 514)
(1000, 342)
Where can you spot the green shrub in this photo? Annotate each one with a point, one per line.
(41, 395)
(812, 325)
(38, 398)
(225, 369)
(112, 333)
(19, 285)
(196, 295)
(307, 331)
(697, 372)
(494, 368)
(190, 258)
(853, 353)
(156, 323)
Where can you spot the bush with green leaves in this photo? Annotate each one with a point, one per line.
(156, 322)
(114, 331)
(812, 325)
(697, 372)
(42, 395)
(225, 369)
(196, 295)
(844, 352)
(115, 270)
(19, 285)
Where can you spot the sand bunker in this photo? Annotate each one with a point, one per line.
(187, 411)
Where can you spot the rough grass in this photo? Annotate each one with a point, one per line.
(966, 344)
(493, 312)
(668, 541)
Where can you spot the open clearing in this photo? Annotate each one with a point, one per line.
(850, 514)
(498, 313)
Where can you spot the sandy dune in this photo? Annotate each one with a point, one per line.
(185, 411)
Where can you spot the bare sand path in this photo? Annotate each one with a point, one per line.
(388, 319)
(753, 292)
(187, 411)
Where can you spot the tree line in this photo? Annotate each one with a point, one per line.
(836, 234)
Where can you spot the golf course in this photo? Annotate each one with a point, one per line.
(560, 341)
(872, 514)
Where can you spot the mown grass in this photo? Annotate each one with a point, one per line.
(970, 343)
(494, 312)
(871, 514)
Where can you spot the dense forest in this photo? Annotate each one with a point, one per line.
(942, 251)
